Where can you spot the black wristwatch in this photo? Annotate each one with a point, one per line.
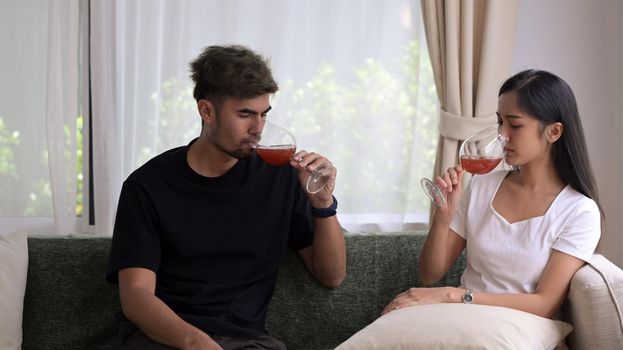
(325, 212)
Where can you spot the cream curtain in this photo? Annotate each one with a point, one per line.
(470, 44)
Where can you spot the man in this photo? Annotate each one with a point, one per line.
(201, 229)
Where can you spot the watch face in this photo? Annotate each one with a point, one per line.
(468, 297)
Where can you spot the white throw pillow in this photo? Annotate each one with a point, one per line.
(458, 326)
(13, 269)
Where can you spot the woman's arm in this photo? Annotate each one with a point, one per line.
(551, 290)
(440, 251)
(443, 245)
(550, 293)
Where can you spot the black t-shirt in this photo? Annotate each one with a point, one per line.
(215, 244)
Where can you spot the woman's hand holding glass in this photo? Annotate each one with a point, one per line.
(450, 185)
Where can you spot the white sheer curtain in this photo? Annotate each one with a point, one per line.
(39, 100)
(355, 78)
(355, 85)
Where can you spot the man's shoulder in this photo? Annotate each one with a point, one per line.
(166, 158)
(164, 164)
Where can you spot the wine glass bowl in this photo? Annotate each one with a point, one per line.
(479, 154)
(276, 155)
(277, 145)
(482, 152)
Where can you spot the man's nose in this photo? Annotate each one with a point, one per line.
(257, 125)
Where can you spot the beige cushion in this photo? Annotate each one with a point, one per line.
(13, 269)
(458, 326)
(594, 306)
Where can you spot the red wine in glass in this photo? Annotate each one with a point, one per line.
(276, 154)
(478, 165)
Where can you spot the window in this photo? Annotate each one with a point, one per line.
(39, 115)
(355, 85)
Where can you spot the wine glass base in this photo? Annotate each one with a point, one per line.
(433, 192)
(318, 179)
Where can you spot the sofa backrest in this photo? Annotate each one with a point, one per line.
(68, 304)
(306, 315)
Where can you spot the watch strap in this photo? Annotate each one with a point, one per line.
(325, 212)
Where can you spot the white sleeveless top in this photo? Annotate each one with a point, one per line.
(510, 258)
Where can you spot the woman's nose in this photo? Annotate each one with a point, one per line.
(502, 134)
(503, 140)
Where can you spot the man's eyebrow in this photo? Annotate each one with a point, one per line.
(251, 111)
(247, 110)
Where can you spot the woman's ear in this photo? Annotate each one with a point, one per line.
(554, 132)
(207, 111)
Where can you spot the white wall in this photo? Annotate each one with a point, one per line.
(581, 41)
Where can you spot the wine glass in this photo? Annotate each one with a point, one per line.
(277, 145)
(479, 154)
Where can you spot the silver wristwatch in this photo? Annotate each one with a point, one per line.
(468, 297)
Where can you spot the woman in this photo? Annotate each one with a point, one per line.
(527, 231)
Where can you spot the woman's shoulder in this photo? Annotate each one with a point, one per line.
(573, 205)
(569, 197)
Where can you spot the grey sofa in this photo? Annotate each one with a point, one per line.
(68, 305)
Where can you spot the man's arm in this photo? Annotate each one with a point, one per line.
(137, 287)
(326, 257)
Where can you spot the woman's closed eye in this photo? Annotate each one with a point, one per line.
(513, 126)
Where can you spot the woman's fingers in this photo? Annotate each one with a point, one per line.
(451, 179)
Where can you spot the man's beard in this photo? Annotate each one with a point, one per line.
(243, 151)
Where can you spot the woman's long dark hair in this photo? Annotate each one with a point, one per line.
(550, 99)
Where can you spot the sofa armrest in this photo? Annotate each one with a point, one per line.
(594, 305)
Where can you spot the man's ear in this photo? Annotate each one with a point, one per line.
(207, 111)
(554, 132)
